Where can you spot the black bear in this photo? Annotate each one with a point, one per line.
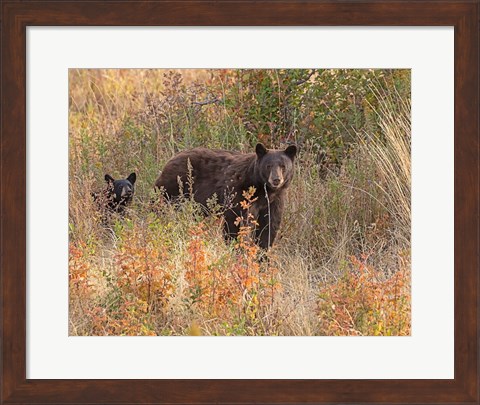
(118, 193)
(227, 175)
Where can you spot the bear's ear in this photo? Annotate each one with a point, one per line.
(132, 178)
(291, 151)
(260, 150)
(109, 179)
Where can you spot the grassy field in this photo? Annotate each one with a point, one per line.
(341, 263)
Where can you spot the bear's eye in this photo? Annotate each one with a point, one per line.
(282, 167)
(269, 167)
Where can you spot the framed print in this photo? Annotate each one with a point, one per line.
(238, 202)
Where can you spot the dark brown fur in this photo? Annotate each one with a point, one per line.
(227, 174)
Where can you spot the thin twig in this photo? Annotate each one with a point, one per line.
(305, 79)
(268, 205)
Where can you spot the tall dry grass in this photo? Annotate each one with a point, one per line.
(340, 265)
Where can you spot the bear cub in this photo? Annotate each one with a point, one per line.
(118, 193)
(227, 174)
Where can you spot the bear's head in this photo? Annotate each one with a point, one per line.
(275, 167)
(120, 192)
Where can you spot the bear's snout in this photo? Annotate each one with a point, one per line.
(126, 191)
(276, 178)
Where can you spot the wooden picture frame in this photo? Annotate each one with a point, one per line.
(18, 15)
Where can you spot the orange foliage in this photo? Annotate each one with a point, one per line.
(365, 302)
(232, 285)
(144, 273)
(143, 287)
(78, 268)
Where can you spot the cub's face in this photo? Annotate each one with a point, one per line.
(121, 192)
(275, 167)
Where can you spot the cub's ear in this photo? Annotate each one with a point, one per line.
(260, 150)
(109, 179)
(291, 151)
(132, 178)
